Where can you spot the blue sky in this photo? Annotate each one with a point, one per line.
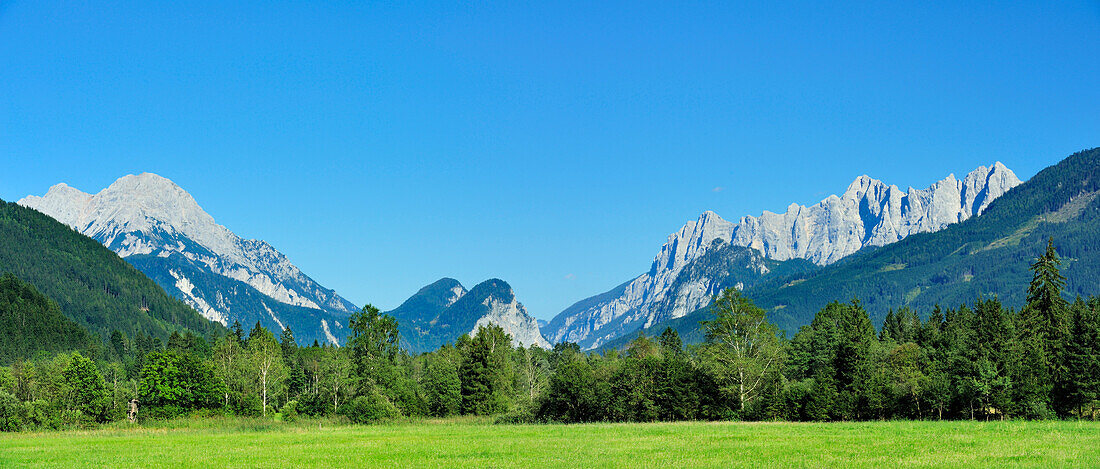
(383, 145)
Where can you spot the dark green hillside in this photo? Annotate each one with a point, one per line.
(985, 256)
(30, 322)
(91, 285)
(416, 315)
(463, 315)
(426, 320)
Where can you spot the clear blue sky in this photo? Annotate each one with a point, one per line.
(383, 145)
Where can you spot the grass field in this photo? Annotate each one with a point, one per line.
(476, 444)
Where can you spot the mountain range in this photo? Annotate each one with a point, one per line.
(160, 229)
(986, 256)
(683, 277)
(950, 243)
(443, 311)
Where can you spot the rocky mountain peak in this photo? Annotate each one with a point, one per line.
(502, 309)
(444, 310)
(149, 215)
(494, 287)
(64, 190)
(868, 213)
(860, 187)
(692, 239)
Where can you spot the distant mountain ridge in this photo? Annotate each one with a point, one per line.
(985, 256)
(162, 230)
(868, 213)
(443, 311)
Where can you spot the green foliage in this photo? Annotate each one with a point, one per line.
(264, 362)
(373, 341)
(231, 368)
(11, 413)
(486, 372)
(289, 411)
(1082, 360)
(442, 386)
(41, 415)
(172, 383)
(572, 395)
(369, 408)
(30, 322)
(86, 390)
(742, 347)
(90, 284)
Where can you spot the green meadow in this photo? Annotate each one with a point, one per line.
(472, 443)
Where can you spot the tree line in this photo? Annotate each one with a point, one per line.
(977, 361)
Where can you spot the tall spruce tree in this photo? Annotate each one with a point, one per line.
(1045, 321)
(1082, 359)
(1045, 303)
(486, 372)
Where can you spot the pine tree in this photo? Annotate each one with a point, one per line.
(288, 344)
(238, 332)
(1043, 338)
(670, 341)
(486, 372)
(1082, 357)
(888, 332)
(852, 365)
(1045, 303)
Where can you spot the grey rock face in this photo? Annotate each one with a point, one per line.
(148, 215)
(513, 318)
(868, 213)
(441, 312)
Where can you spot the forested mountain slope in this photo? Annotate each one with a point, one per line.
(30, 322)
(91, 285)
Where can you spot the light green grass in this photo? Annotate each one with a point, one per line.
(476, 444)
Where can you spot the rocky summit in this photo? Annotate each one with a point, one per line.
(161, 229)
(868, 213)
(443, 311)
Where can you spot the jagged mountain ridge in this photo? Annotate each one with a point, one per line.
(443, 311)
(149, 215)
(868, 213)
(987, 256)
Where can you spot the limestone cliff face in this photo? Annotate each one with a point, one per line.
(444, 310)
(164, 232)
(868, 213)
(513, 318)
